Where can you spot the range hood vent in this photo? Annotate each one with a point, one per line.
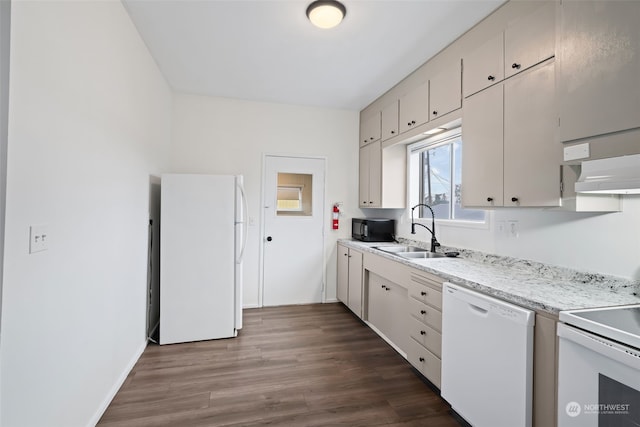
(615, 175)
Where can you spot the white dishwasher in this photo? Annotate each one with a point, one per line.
(487, 358)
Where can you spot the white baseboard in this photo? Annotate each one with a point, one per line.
(114, 390)
(251, 306)
(332, 300)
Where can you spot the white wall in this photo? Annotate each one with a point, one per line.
(225, 136)
(89, 121)
(599, 243)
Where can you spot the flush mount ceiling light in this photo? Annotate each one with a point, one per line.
(326, 13)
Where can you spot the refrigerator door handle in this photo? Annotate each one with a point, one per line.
(244, 222)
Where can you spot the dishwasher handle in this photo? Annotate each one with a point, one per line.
(478, 310)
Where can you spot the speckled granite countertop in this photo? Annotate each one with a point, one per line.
(529, 284)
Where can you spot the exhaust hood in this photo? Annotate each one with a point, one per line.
(615, 175)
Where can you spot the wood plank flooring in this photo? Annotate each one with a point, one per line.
(310, 365)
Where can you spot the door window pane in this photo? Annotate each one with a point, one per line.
(294, 194)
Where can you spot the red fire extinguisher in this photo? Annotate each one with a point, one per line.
(336, 215)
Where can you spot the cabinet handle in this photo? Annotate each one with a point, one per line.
(489, 199)
(423, 311)
(423, 293)
(435, 113)
(515, 66)
(413, 122)
(491, 78)
(370, 203)
(371, 139)
(382, 286)
(423, 333)
(346, 254)
(392, 132)
(421, 359)
(514, 199)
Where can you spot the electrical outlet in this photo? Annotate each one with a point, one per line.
(513, 230)
(38, 238)
(501, 228)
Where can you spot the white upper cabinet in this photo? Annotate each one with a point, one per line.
(445, 91)
(532, 153)
(598, 67)
(510, 155)
(390, 120)
(370, 129)
(530, 39)
(482, 150)
(414, 107)
(484, 66)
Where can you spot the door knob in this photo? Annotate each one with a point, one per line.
(269, 238)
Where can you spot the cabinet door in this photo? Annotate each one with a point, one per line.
(390, 121)
(598, 67)
(355, 282)
(484, 66)
(414, 108)
(364, 175)
(375, 175)
(530, 39)
(482, 148)
(370, 129)
(532, 154)
(343, 274)
(398, 323)
(378, 311)
(445, 91)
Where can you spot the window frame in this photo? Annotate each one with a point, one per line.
(430, 142)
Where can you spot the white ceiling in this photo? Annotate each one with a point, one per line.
(267, 50)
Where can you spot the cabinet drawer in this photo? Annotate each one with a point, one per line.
(426, 314)
(427, 336)
(426, 291)
(425, 362)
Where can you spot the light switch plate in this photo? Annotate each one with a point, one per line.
(575, 152)
(38, 238)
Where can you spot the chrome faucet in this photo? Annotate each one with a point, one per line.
(432, 230)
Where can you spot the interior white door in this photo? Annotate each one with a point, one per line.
(293, 241)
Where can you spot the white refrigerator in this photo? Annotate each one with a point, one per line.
(202, 239)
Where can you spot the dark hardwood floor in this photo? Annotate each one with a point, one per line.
(311, 365)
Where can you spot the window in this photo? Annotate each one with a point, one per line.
(436, 171)
(294, 194)
(289, 199)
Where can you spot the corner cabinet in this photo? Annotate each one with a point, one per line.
(511, 156)
(382, 176)
(350, 278)
(598, 67)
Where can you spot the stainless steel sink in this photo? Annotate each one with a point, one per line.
(410, 252)
(400, 248)
(420, 255)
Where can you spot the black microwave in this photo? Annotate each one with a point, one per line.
(373, 229)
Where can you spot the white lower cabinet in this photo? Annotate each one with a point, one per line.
(425, 312)
(387, 310)
(350, 278)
